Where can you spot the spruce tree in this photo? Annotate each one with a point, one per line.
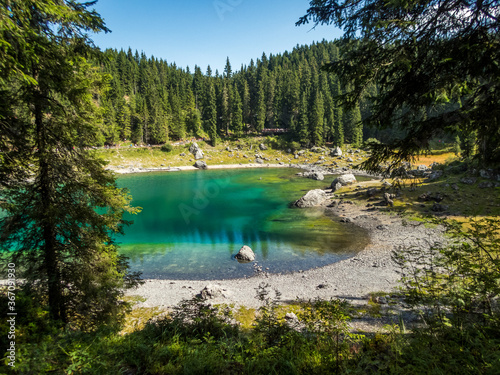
(246, 103)
(210, 113)
(302, 128)
(227, 70)
(237, 117)
(226, 108)
(316, 118)
(353, 126)
(260, 115)
(61, 206)
(422, 54)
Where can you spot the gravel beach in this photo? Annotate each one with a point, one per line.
(371, 270)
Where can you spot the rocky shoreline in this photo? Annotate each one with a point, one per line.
(371, 270)
(311, 168)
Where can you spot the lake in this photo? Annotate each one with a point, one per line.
(193, 223)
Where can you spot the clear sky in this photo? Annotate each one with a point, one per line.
(202, 32)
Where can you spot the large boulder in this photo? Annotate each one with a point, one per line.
(194, 147)
(336, 151)
(198, 155)
(263, 147)
(196, 151)
(245, 255)
(343, 180)
(200, 164)
(311, 199)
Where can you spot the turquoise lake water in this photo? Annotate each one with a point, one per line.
(193, 223)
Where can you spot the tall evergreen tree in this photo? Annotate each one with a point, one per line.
(260, 114)
(210, 114)
(60, 204)
(237, 117)
(422, 54)
(316, 118)
(302, 127)
(226, 108)
(246, 103)
(353, 127)
(227, 69)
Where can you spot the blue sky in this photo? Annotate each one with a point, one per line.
(203, 32)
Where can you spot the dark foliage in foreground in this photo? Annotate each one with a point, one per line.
(455, 290)
(435, 64)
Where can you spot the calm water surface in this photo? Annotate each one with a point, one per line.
(193, 223)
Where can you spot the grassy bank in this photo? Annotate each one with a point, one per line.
(242, 151)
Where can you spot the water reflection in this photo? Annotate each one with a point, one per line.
(192, 223)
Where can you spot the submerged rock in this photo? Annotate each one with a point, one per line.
(311, 199)
(245, 255)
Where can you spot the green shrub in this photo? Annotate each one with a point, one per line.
(294, 146)
(167, 147)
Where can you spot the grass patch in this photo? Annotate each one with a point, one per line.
(245, 316)
(138, 317)
(241, 151)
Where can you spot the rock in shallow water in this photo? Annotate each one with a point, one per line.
(245, 255)
(311, 199)
(200, 164)
(318, 176)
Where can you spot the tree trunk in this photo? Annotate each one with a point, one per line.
(49, 247)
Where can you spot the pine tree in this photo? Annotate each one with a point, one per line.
(237, 118)
(246, 103)
(338, 134)
(302, 132)
(260, 115)
(421, 54)
(226, 108)
(316, 118)
(198, 88)
(210, 114)
(353, 126)
(227, 70)
(60, 204)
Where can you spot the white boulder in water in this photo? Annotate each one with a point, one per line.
(245, 255)
(312, 198)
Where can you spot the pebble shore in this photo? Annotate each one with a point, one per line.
(371, 270)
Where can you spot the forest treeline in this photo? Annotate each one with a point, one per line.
(152, 101)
